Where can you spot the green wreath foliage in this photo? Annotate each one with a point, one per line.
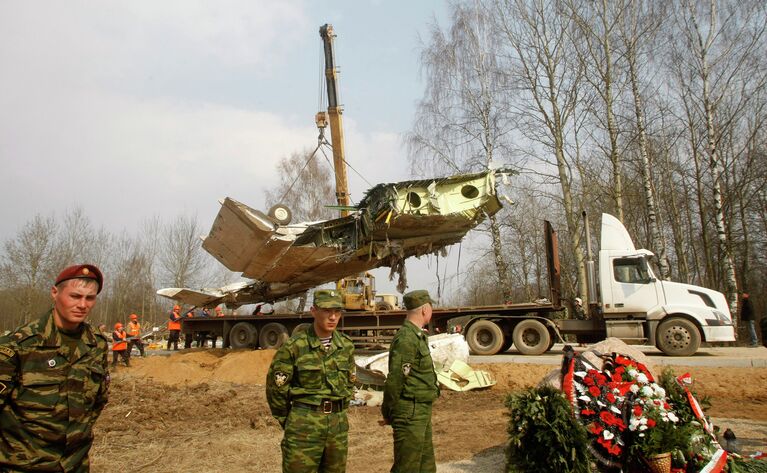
(544, 435)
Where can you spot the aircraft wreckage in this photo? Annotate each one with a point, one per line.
(392, 222)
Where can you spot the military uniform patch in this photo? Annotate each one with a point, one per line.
(280, 378)
(7, 352)
(3, 387)
(406, 368)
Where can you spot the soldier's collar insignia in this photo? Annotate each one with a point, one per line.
(406, 368)
(86, 271)
(52, 363)
(280, 378)
(7, 352)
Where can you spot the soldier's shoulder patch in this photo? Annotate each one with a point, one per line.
(406, 368)
(280, 378)
(7, 352)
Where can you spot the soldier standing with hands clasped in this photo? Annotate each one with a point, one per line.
(411, 388)
(308, 389)
(54, 380)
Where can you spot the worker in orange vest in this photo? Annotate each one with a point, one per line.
(134, 335)
(119, 345)
(174, 327)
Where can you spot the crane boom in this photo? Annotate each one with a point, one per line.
(334, 117)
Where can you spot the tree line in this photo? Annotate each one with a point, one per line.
(652, 111)
(160, 254)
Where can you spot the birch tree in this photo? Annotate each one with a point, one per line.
(536, 33)
(305, 187)
(639, 23)
(597, 23)
(718, 42)
(181, 257)
(462, 123)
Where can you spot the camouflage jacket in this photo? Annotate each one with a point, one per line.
(50, 396)
(302, 370)
(411, 369)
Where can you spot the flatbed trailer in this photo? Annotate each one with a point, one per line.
(490, 328)
(632, 305)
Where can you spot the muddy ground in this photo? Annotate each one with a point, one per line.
(206, 411)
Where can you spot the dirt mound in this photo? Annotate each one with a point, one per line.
(186, 368)
(206, 411)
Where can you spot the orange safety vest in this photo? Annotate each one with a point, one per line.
(122, 344)
(134, 329)
(174, 324)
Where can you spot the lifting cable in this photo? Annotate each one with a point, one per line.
(295, 179)
(321, 140)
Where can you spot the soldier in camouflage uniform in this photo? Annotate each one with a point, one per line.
(53, 381)
(411, 387)
(308, 389)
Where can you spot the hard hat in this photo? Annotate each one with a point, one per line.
(578, 300)
(134, 317)
(118, 326)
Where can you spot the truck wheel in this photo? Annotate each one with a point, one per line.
(531, 337)
(273, 335)
(300, 328)
(243, 335)
(678, 337)
(484, 337)
(383, 306)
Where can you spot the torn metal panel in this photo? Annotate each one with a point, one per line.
(392, 222)
(462, 377)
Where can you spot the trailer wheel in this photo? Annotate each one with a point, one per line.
(273, 335)
(531, 337)
(300, 328)
(484, 337)
(243, 335)
(678, 337)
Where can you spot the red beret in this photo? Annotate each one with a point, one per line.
(81, 271)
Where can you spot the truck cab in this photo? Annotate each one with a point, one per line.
(636, 305)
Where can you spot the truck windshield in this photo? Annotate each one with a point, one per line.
(631, 270)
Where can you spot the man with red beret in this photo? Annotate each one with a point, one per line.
(54, 380)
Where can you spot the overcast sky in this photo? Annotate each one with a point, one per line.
(135, 109)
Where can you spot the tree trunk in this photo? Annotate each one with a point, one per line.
(655, 237)
(500, 263)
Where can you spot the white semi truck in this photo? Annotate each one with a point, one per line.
(632, 304)
(626, 300)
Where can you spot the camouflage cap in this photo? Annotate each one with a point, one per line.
(328, 299)
(415, 299)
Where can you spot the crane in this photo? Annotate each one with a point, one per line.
(334, 118)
